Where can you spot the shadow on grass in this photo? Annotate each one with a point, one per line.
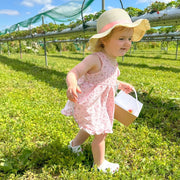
(66, 57)
(156, 113)
(40, 73)
(54, 157)
(147, 56)
(163, 115)
(161, 68)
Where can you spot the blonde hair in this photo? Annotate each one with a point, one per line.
(99, 46)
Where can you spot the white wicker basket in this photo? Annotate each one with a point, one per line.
(127, 108)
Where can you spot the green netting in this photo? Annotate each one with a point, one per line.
(64, 13)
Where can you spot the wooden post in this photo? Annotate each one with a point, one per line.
(45, 52)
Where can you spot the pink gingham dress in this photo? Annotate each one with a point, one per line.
(94, 110)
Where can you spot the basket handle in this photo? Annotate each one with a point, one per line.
(136, 98)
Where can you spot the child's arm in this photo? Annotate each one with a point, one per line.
(127, 88)
(90, 64)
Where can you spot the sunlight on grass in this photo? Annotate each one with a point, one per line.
(34, 134)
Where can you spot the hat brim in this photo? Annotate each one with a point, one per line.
(140, 27)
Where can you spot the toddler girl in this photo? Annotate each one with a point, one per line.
(92, 83)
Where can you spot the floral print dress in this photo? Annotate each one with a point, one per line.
(94, 110)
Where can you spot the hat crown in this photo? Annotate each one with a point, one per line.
(116, 18)
(112, 16)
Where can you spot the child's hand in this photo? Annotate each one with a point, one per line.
(72, 93)
(127, 88)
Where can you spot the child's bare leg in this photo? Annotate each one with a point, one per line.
(80, 138)
(98, 149)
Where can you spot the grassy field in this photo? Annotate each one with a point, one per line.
(34, 134)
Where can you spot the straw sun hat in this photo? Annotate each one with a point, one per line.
(118, 17)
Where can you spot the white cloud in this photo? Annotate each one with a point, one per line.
(151, 1)
(31, 3)
(166, 1)
(9, 12)
(46, 8)
(28, 3)
(88, 11)
(109, 7)
(141, 1)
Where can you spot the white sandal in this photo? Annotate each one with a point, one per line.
(113, 167)
(75, 149)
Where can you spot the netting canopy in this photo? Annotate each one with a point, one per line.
(64, 13)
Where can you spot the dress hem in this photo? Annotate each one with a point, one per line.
(94, 133)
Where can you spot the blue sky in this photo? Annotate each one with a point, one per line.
(14, 11)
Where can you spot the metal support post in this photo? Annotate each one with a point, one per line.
(177, 49)
(130, 50)
(103, 4)
(84, 45)
(8, 49)
(0, 49)
(60, 49)
(20, 49)
(45, 52)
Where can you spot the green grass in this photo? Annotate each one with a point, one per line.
(34, 134)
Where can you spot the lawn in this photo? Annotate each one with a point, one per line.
(34, 134)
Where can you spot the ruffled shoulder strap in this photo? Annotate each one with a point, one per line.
(101, 57)
(100, 54)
